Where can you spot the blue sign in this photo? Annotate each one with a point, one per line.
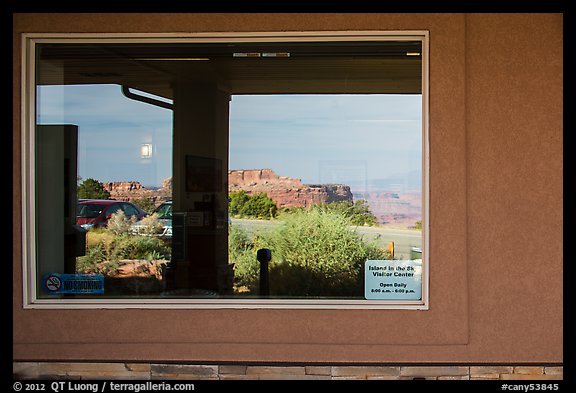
(58, 284)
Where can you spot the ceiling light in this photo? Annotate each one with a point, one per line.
(276, 54)
(175, 59)
(146, 150)
(246, 54)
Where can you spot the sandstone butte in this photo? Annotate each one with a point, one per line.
(285, 191)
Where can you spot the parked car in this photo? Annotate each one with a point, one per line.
(96, 212)
(164, 212)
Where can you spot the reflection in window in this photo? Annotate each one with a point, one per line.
(229, 177)
(343, 175)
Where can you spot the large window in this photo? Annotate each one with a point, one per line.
(254, 171)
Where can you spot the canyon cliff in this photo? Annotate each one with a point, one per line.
(286, 191)
(132, 190)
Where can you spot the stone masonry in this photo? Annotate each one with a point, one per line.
(163, 371)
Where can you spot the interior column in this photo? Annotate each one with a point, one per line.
(200, 190)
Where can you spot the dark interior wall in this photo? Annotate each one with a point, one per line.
(495, 213)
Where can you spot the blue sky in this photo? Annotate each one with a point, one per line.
(327, 138)
(319, 139)
(111, 130)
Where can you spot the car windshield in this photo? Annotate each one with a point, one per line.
(89, 210)
(164, 210)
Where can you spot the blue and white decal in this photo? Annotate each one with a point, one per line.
(58, 284)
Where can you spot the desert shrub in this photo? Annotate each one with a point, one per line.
(285, 210)
(119, 224)
(140, 247)
(358, 212)
(99, 236)
(150, 225)
(242, 252)
(105, 245)
(314, 254)
(317, 254)
(94, 255)
(99, 247)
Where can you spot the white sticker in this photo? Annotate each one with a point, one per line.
(393, 279)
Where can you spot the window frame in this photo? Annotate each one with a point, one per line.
(28, 126)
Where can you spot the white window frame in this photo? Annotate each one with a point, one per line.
(28, 124)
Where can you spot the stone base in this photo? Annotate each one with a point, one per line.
(160, 371)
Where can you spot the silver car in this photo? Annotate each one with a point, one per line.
(164, 212)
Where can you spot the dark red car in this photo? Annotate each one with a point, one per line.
(96, 212)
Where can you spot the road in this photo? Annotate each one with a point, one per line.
(404, 239)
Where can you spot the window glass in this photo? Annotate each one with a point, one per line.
(129, 210)
(89, 210)
(164, 210)
(277, 171)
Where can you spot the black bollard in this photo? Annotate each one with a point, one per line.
(264, 256)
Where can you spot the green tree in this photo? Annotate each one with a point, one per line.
(255, 206)
(259, 206)
(92, 189)
(236, 200)
(146, 204)
(358, 212)
(361, 214)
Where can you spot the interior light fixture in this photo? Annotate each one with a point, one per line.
(246, 54)
(146, 150)
(263, 54)
(173, 59)
(276, 54)
(412, 53)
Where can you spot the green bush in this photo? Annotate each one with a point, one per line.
(314, 254)
(242, 252)
(94, 255)
(92, 189)
(257, 206)
(317, 254)
(105, 245)
(236, 201)
(358, 212)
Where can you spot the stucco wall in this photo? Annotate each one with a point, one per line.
(495, 219)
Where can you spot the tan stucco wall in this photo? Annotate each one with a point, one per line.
(496, 213)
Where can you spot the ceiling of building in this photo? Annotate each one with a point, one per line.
(294, 68)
